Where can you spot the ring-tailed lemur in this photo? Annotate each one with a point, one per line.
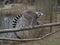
(5, 2)
(28, 18)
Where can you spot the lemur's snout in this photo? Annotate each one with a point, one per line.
(39, 14)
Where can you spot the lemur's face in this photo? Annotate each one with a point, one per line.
(39, 14)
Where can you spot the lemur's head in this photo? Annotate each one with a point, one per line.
(39, 14)
(29, 14)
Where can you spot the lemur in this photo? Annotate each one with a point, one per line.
(5, 2)
(27, 18)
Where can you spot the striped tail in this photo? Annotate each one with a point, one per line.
(15, 20)
(14, 24)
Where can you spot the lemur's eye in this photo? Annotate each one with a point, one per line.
(39, 14)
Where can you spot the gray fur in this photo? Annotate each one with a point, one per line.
(28, 19)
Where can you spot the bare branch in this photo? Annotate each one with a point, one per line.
(29, 28)
(30, 39)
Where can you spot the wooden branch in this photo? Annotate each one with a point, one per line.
(30, 39)
(29, 28)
